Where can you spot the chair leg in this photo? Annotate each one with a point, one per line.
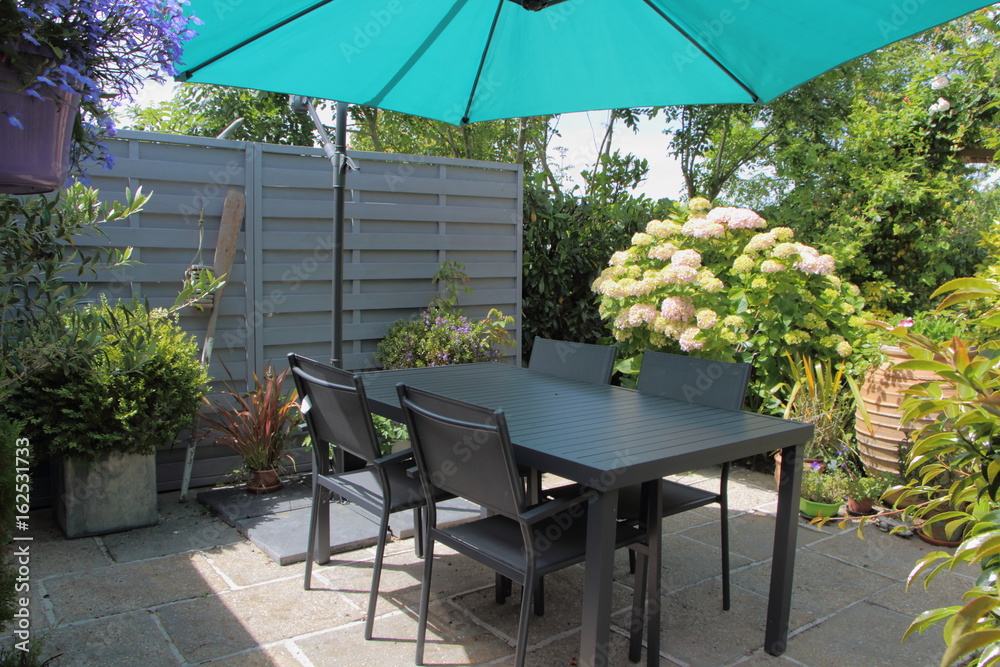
(725, 555)
(377, 573)
(522, 625)
(638, 606)
(418, 532)
(311, 545)
(425, 598)
(540, 597)
(502, 586)
(631, 561)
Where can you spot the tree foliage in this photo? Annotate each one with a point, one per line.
(205, 110)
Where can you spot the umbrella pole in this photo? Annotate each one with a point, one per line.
(336, 151)
(339, 178)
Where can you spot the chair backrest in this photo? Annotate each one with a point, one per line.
(335, 407)
(573, 361)
(719, 384)
(464, 449)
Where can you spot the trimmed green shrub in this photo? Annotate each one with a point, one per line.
(439, 337)
(144, 386)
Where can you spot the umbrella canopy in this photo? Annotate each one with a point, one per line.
(463, 61)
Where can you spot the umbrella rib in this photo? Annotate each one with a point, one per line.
(482, 62)
(187, 74)
(698, 46)
(418, 53)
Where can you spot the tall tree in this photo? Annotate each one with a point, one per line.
(206, 110)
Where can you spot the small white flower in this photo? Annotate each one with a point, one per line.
(940, 81)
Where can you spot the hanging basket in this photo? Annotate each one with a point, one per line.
(34, 159)
(193, 277)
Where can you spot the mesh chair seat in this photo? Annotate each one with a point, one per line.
(364, 487)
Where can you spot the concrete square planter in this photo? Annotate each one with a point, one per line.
(115, 494)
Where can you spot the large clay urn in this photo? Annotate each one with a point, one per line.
(882, 393)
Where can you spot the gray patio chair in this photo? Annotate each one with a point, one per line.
(336, 412)
(465, 450)
(717, 384)
(573, 361)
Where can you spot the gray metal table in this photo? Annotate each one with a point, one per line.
(609, 438)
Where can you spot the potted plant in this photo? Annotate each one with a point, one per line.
(102, 418)
(64, 66)
(864, 490)
(822, 493)
(823, 396)
(258, 425)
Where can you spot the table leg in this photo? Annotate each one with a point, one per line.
(779, 601)
(599, 568)
(654, 527)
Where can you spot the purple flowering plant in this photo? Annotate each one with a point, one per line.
(441, 337)
(103, 50)
(716, 283)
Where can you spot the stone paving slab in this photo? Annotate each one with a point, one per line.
(189, 533)
(119, 641)
(234, 503)
(130, 587)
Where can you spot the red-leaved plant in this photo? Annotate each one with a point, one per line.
(256, 425)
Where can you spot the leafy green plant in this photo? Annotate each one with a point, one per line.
(567, 241)
(442, 337)
(824, 487)
(450, 278)
(46, 244)
(259, 424)
(140, 391)
(825, 397)
(714, 286)
(956, 458)
(861, 487)
(389, 432)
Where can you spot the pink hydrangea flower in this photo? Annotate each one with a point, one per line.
(822, 265)
(642, 313)
(736, 218)
(688, 257)
(689, 341)
(677, 309)
(679, 275)
(662, 252)
(706, 318)
(771, 266)
(703, 229)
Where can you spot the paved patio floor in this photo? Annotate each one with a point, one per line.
(192, 590)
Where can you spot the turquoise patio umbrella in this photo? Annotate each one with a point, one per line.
(462, 61)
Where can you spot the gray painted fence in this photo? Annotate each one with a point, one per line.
(405, 216)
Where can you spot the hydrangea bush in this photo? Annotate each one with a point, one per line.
(717, 285)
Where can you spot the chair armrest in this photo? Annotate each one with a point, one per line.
(393, 459)
(413, 473)
(553, 507)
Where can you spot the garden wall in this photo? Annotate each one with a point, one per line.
(405, 215)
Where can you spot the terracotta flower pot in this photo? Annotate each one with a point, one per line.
(882, 392)
(35, 158)
(264, 481)
(860, 506)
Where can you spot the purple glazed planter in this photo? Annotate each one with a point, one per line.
(34, 159)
